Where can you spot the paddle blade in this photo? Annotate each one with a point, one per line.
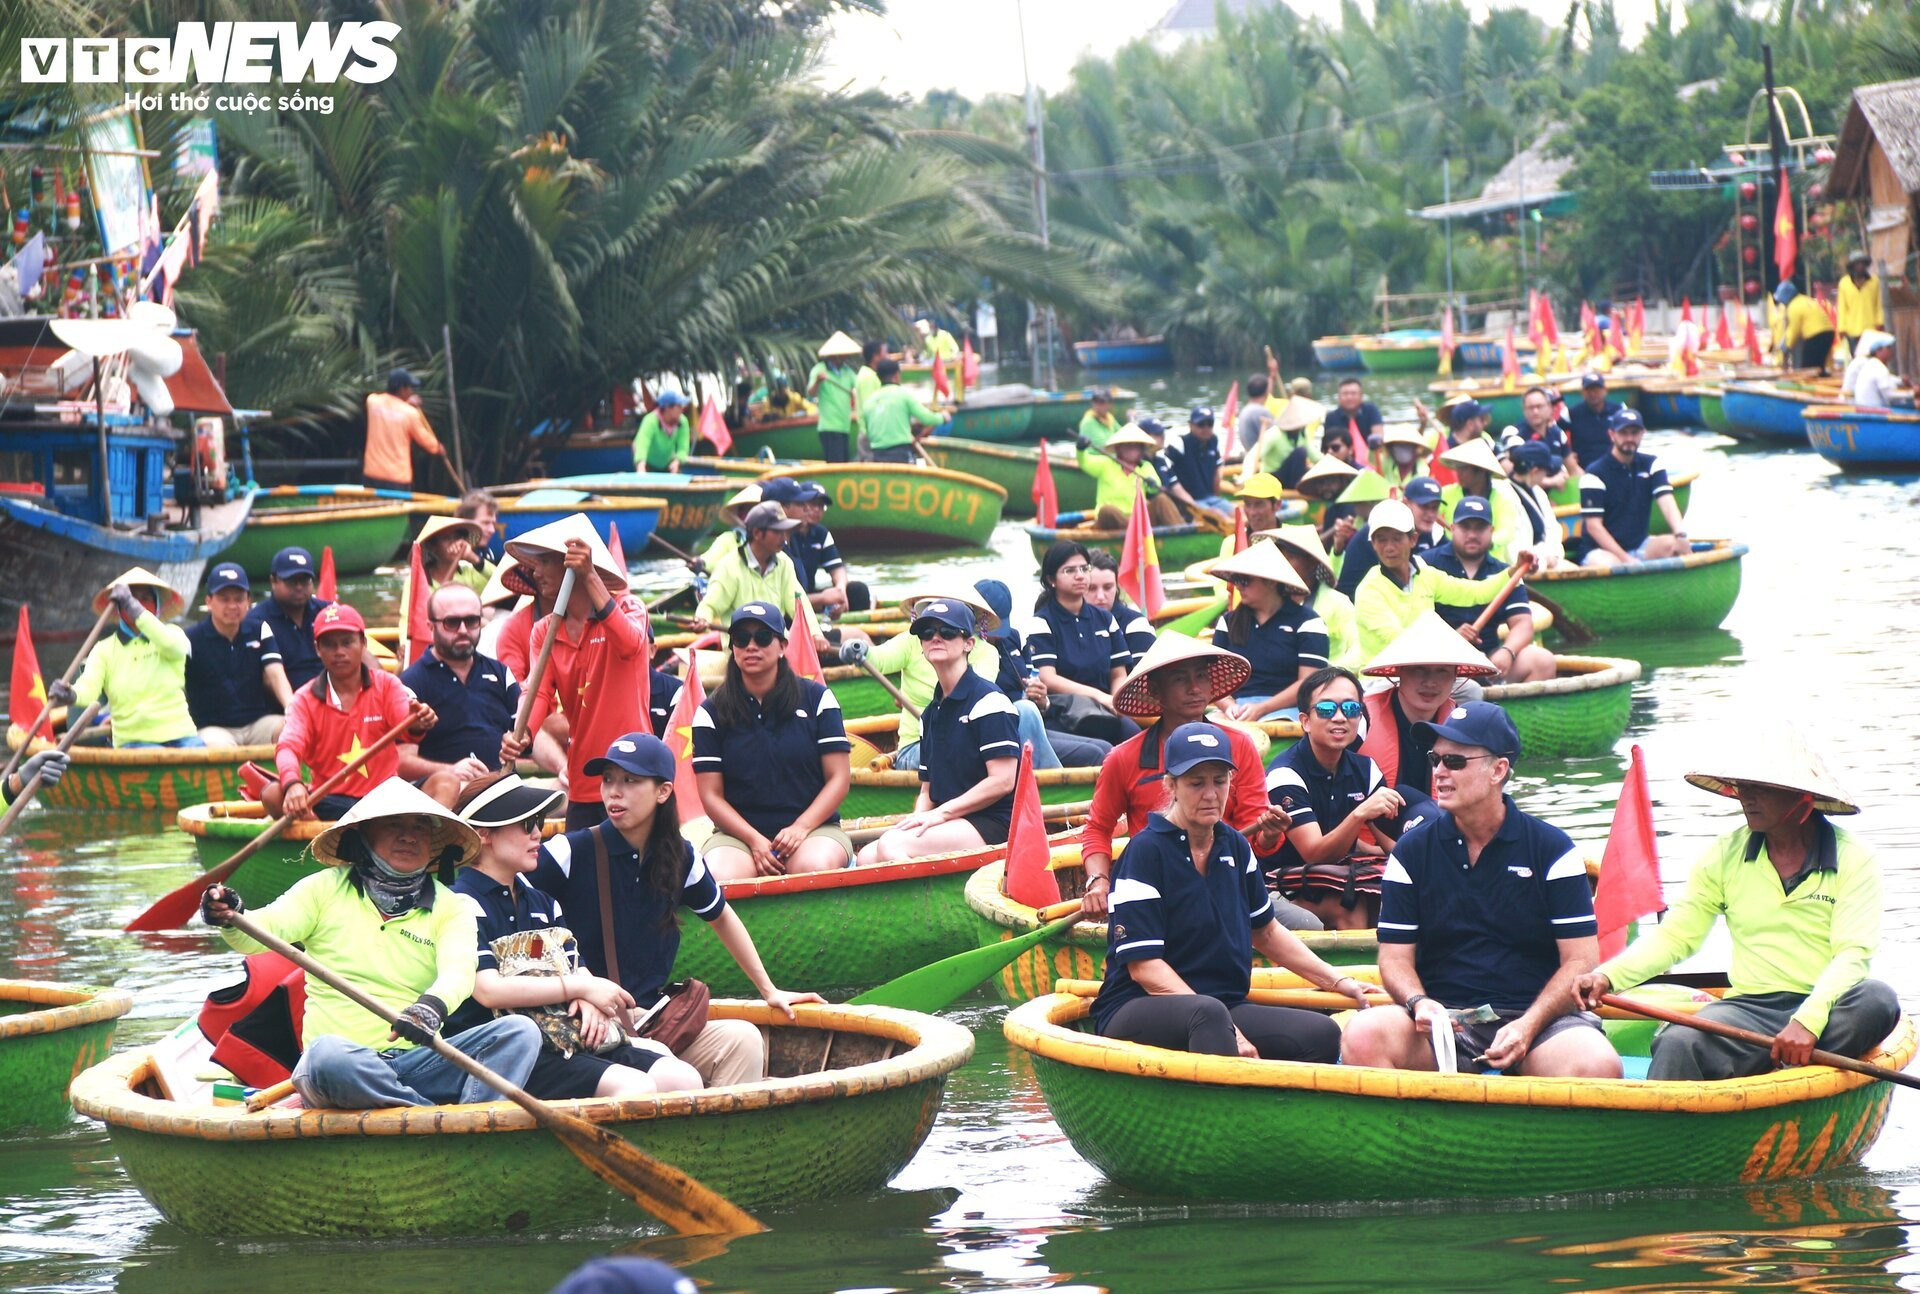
(939, 985)
(173, 910)
(661, 1189)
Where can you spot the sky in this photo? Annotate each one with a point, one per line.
(973, 46)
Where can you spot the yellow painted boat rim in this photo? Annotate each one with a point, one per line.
(1040, 1027)
(815, 471)
(1577, 674)
(64, 1006)
(1718, 551)
(935, 1048)
(152, 756)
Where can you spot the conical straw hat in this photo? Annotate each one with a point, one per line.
(171, 603)
(1329, 468)
(839, 344)
(984, 619)
(553, 537)
(1301, 539)
(1405, 433)
(1777, 756)
(748, 496)
(1130, 435)
(1226, 671)
(1430, 641)
(1263, 561)
(393, 798)
(501, 589)
(440, 525)
(1475, 453)
(1299, 413)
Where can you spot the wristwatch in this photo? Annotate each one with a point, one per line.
(1413, 1004)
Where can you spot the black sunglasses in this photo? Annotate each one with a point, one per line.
(535, 825)
(761, 637)
(945, 633)
(1453, 763)
(458, 622)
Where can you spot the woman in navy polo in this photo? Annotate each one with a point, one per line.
(1103, 591)
(969, 748)
(1282, 639)
(1189, 908)
(1339, 814)
(771, 755)
(1078, 650)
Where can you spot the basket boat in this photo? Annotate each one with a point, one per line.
(1768, 411)
(146, 778)
(1858, 439)
(635, 516)
(1338, 352)
(1672, 594)
(1177, 546)
(48, 1033)
(1583, 710)
(693, 503)
(364, 527)
(902, 507)
(853, 1094)
(1011, 467)
(1038, 415)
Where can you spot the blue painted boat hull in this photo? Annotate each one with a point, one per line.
(1865, 439)
(1757, 414)
(1337, 354)
(1670, 409)
(1148, 352)
(598, 461)
(636, 524)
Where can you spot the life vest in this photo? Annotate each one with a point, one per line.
(254, 1025)
(1382, 742)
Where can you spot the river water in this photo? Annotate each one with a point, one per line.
(997, 1200)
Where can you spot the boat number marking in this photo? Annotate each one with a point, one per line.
(902, 495)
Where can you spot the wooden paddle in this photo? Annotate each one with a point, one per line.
(892, 691)
(73, 672)
(32, 787)
(1831, 1059)
(1499, 599)
(174, 909)
(662, 1190)
(1575, 633)
(681, 553)
(531, 688)
(937, 986)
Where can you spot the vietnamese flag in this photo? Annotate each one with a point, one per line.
(1786, 242)
(1046, 498)
(679, 739)
(942, 390)
(1140, 560)
(713, 428)
(1630, 867)
(1509, 362)
(1722, 337)
(328, 587)
(1230, 414)
(416, 632)
(28, 694)
(800, 651)
(1029, 878)
(1446, 342)
(615, 548)
(969, 363)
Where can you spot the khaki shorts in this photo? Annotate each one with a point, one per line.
(263, 731)
(721, 840)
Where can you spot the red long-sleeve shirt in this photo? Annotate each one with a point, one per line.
(1127, 788)
(601, 686)
(326, 738)
(510, 649)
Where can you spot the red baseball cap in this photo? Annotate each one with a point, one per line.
(337, 617)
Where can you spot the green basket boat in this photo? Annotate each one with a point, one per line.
(692, 503)
(1178, 1124)
(783, 438)
(1566, 506)
(890, 792)
(147, 778)
(1583, 710)
(853, 1093)
(1383, 355)
(902, 507)
(1671, 595)
(1712, 415)
(365, 528)
(1041, 415)
(1177, 546)
(48, 1034)
(1011, 467)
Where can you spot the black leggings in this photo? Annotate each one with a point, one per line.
(1206, 1024)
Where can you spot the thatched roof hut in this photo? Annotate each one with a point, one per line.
(1877, 165)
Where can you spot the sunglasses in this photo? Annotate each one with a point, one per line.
(945, 633)
(1327, 709)
(535, 825)
(1452, 763)
(761, 637)
(458, 622)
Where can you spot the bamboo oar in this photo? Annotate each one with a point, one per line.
(1506, 591)
(1831, 1059)
(32, 787)
(531, 688)
(681, 553)
(936, 986)
(175, 908)
(662, 1190)
(73, 672)
(1575, 633)
(892, 691)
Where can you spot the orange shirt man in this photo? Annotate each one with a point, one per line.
(394, 425)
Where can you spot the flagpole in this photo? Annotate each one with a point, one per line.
(1043, 336)
(1777, 147)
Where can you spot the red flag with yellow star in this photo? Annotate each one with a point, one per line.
(686, 789)
(28, 697)
(800, 652)
(416, 631)
(1786, 239)
(1140, 560)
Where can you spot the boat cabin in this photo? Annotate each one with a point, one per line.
(1877, 166)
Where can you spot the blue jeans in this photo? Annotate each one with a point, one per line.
(339, 1075)
(189, 742)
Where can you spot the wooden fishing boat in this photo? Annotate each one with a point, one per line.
(1020, 415)
(1177, 546)
(1768, 411)
(904, 507)
(1175, 1123)
(1503, 406)
(852, 1094)
(145, 778)
(693, 503)
(1566, 505)
(1582, 710)
(48, 1033)
(1670, 595)
(782, 437)
(1011, 467)
(1142, 352)
(1404, 350)
(634, 515)
(365, 528)
(1338, 352)
(1861, 440)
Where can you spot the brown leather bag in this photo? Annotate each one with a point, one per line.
(676, 1024)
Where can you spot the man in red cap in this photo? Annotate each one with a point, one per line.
(336, 717)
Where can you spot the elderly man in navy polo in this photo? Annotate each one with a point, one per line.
(1519, 659)
(1618, 494)
(1195, 464)
(474, 695)
(1484, 906)
(1422, 497)
(225, 692)
(279, 629)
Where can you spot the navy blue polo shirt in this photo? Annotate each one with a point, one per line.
(1486, 932)
(771, 766)
(1360, 424)
(1202, 926)
(813, 550)
(274, 638)
(1360, 557)
(1554, 437)
(472, 716)
(1443, 558)
(1313, 796)
(1085, 646)
(663, 693)
(1196, 465)
(1622, 495)
(1135, 630)
(1587, 431)
(224, 689)
(498, 911)
(645, 933)
(1292, 637)
(959, 733)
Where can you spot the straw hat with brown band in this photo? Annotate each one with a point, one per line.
(396, 798)
(1779, 758)
(1226, 672)
(1429, 641)
(437, 526)
(1304, 540)
(169, 603)
(984, 620)
(1260, 561)
(551, 539)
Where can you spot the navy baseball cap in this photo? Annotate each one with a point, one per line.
(227, 575)
(1422, 489)
(1201, 414)
(639, 753)
(1466, 409)
(1476, 723)
(999, 600)
(1626, 418)
(1531, 453)
(399, 379)
(1473, 508)
(764, 613)
(780, 489)
(1193, 744)
(940, 611)
(1591, 378)
(1152, 426)
(289, 562)
(667, 399)
(812, 492)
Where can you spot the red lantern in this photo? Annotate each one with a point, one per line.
(1750, 254)
(1749, 222)
(1752, 288)
(1815, 189)
(1748, 190)
(1823, 155)
(1738, 159)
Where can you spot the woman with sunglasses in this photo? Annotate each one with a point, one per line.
(771, 755)
(509, 816)
(1338, 815)
(1282, 639)
(1077, 648)
(969, 749)
(1189, 912)
(1103, 592)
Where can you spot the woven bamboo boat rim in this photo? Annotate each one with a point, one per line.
(1774, 390)
(609, 503)
(936, 1048)
(813, 471)
(1039, 1027)
(601, 482)
(907, 869)
(1029, 456)
(151, 756)
(1575, 674)
(1720, 550)
(1827, 412)
(68, 1006)
(272, 518)
(1563, 511)
(205, 822)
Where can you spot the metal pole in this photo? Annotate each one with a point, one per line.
(100, 414)
(1521, 159)
(1446, 198)
(1777, 151)
(453, 406)
(1044, 336)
